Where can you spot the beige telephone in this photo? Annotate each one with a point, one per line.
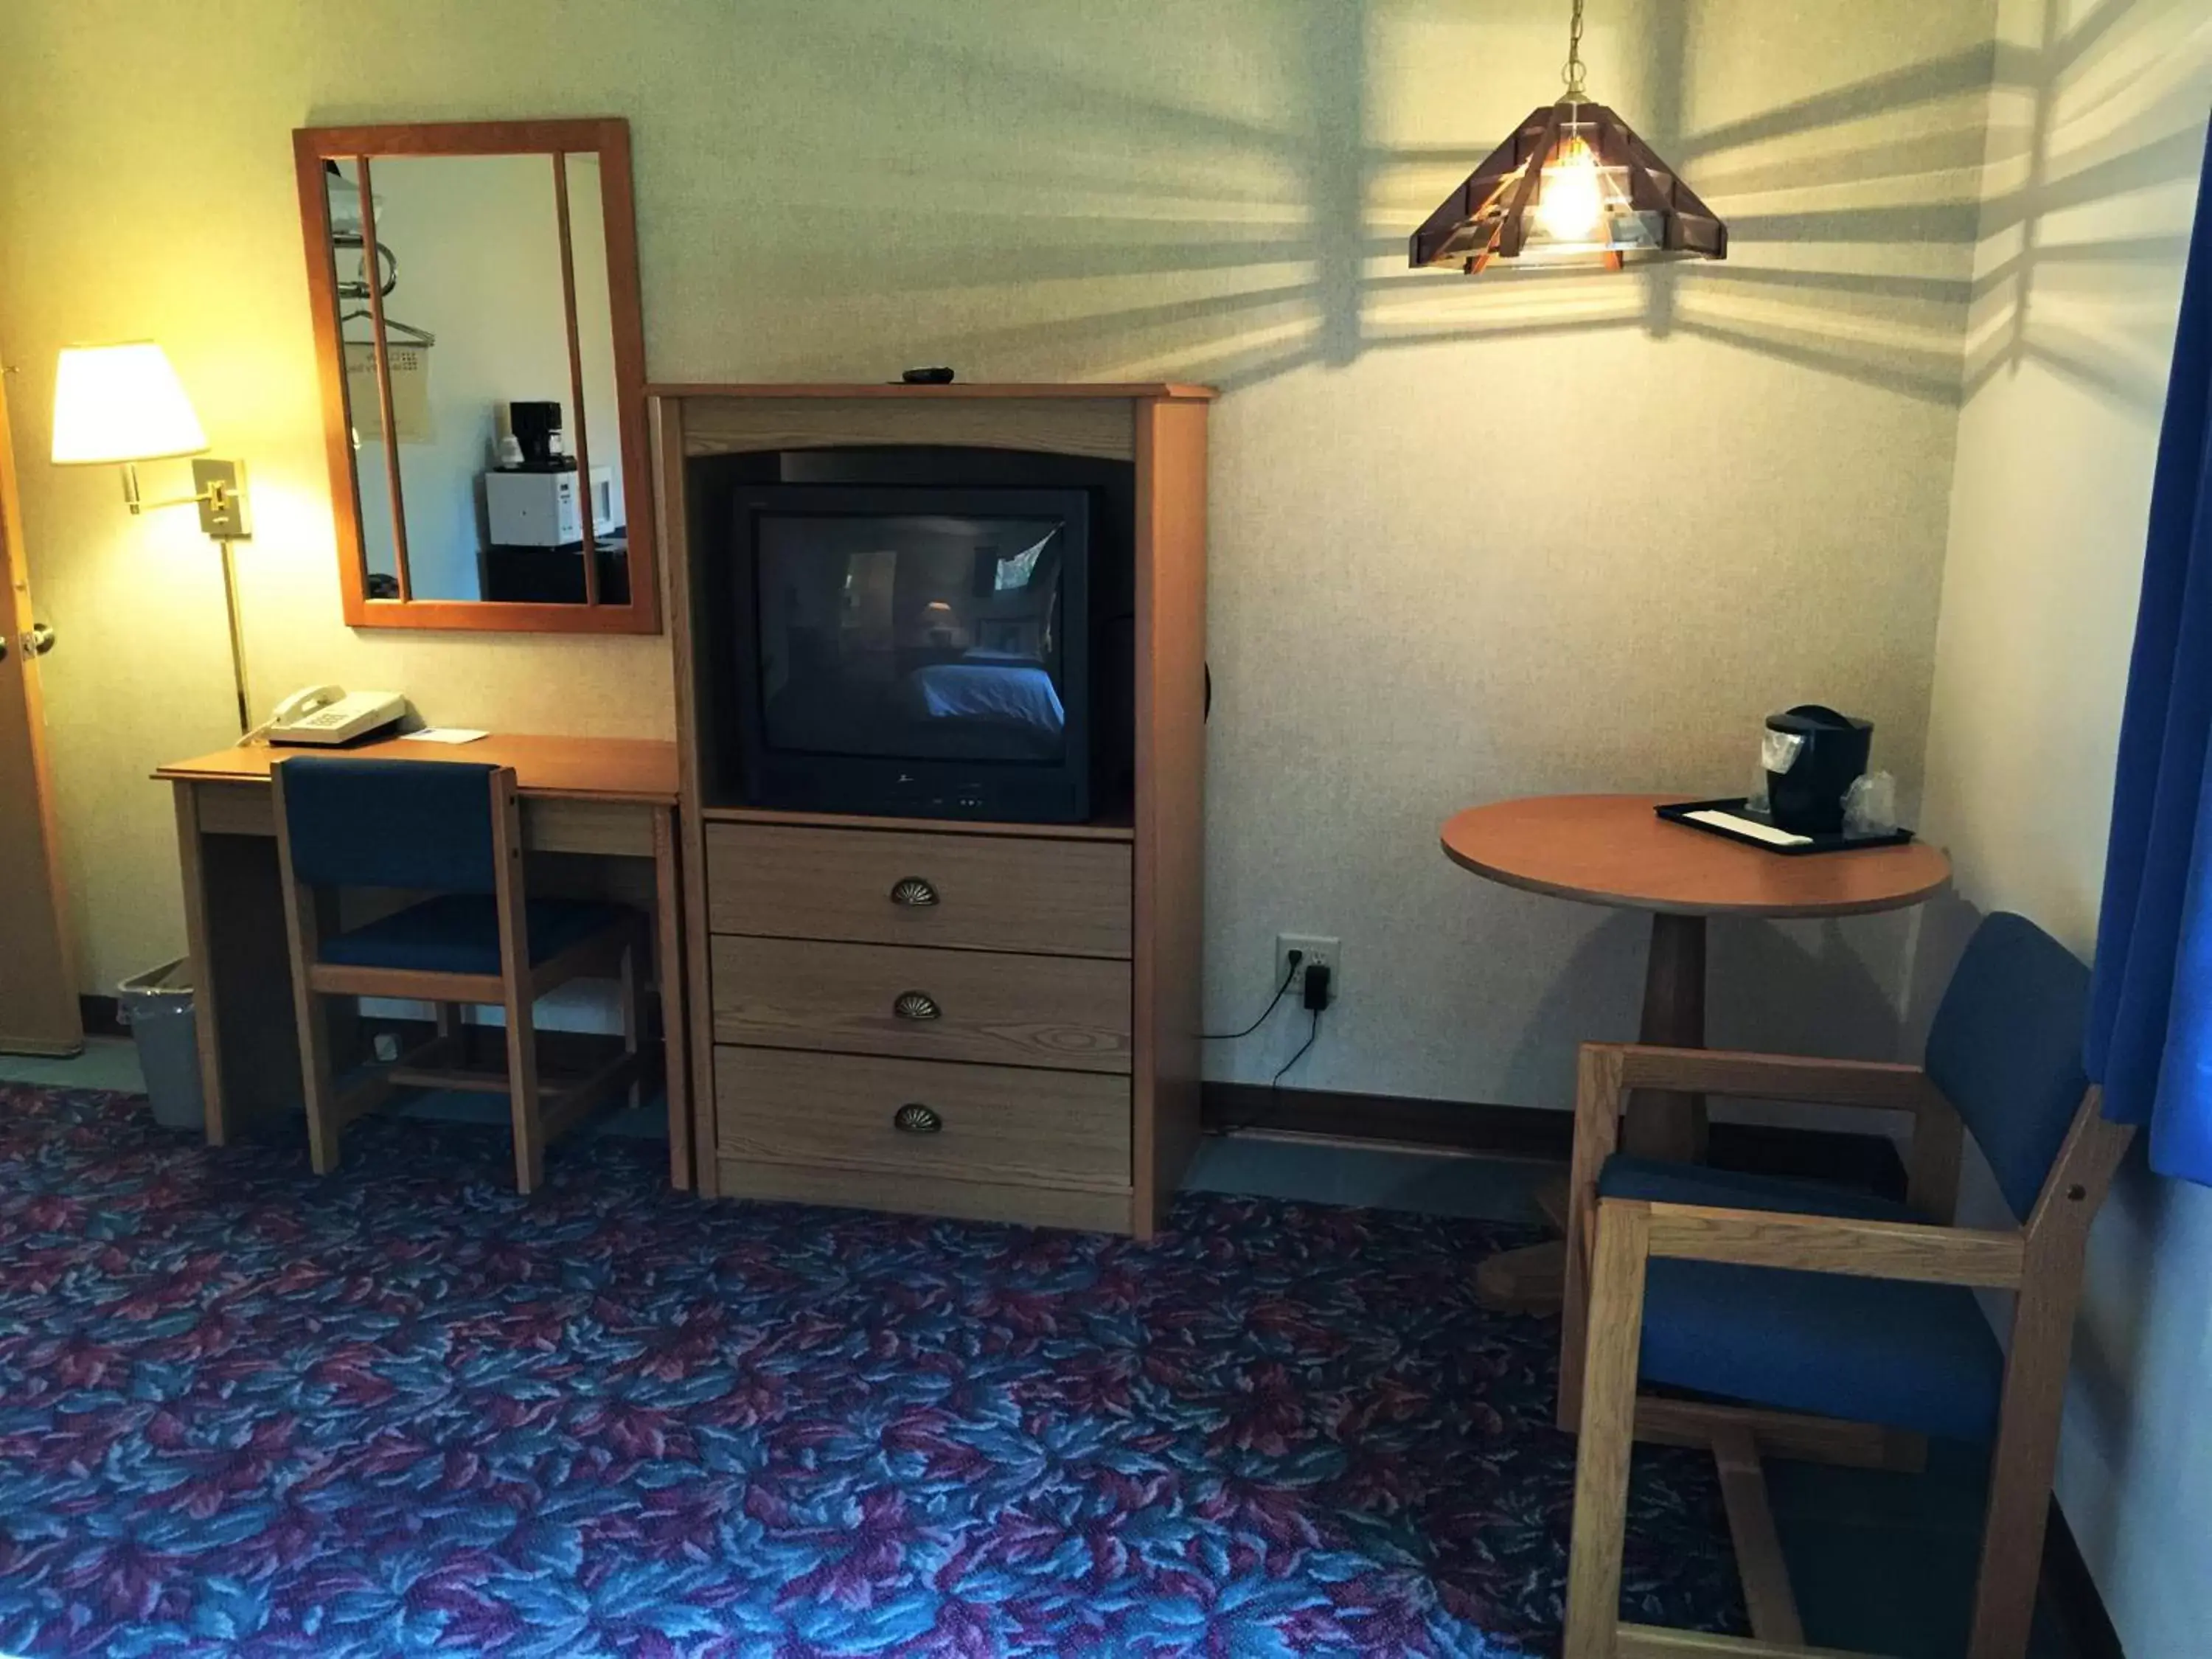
(328, 715)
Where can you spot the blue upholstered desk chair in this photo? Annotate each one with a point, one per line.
(451, 830)
(1815, 1323)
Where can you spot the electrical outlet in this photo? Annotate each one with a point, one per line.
(1330, 950)
(388, 1046)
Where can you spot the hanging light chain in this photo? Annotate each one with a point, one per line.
(1572, 74)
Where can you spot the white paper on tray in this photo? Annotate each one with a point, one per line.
(1752, 827)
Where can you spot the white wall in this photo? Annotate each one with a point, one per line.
(2097, 131)
(1478, 539)
(1472, 538)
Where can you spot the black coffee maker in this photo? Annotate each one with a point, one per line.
(1814, 756)
(537, 428)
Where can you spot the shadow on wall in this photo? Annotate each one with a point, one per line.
(1813, 992)
(1221, 244)
(2088, 114)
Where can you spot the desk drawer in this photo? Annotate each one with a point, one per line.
(1064, 1012)
(994, 1123)
(233, 809)
(606, 828)
(551, 824)
(963, 892)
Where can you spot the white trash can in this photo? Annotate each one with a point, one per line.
(157, 1007)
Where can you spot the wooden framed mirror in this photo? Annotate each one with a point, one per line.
(482, 362)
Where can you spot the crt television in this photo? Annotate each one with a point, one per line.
(913, 650)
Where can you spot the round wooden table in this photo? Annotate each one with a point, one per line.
(1615, 850)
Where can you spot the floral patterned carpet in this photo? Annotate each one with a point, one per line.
(401, 1410)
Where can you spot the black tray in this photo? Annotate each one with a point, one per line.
(1678, 813)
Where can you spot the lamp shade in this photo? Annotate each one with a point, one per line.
(1573, 184)
(121, 403)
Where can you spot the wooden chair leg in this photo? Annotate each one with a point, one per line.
(523, 1102)
(2021, 1467)
(1608, 1431)
(632, 1015)
(308, 913)
(317, 1082)
(1767, 1596)
(1597, 1131)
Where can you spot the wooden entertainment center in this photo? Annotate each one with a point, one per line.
(991, 1020)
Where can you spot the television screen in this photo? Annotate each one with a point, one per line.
(928, 636)
(912, 649)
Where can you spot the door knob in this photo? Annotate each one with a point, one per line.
(38, 639)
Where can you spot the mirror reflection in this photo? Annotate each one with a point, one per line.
(595, 358)
(475, 316)
(364, 409)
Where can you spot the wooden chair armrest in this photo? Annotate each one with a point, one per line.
(1875, 1086)
(1834, 1244)
(1870, 1085)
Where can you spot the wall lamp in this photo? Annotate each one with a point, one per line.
(117, 405)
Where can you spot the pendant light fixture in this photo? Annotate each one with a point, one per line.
(1573, 186)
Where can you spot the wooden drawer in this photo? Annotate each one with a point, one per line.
(554, 823)
(998, 1123)
(1065, 1012)
(989, 892)
(1077, 1208)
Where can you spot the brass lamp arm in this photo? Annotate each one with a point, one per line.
(220, 498)
(214, 494)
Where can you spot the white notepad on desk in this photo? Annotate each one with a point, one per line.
(443, 734)
(1752, 827)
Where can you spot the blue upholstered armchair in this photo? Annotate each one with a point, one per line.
(1811, 1322)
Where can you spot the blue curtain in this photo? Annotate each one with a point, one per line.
(2150, 1013)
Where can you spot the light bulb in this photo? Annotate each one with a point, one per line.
(1570, 203)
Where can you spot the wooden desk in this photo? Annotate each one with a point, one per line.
(1613, 850)
(600, 813)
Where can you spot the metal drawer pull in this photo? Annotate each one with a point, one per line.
(917, 1005)
(913, 892)
(915, 1119)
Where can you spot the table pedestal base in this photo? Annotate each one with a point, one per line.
(1659, 1124)
(1663, 1125)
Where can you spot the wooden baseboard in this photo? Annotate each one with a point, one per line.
(1867, 1161)
(1454, 1125)
(2070, 1592)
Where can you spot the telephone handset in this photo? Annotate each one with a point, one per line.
(328, 715)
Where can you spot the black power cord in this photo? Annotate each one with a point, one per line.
(1316, 993)
(1294, 957)
(1312, 1033)
(1316, 998)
